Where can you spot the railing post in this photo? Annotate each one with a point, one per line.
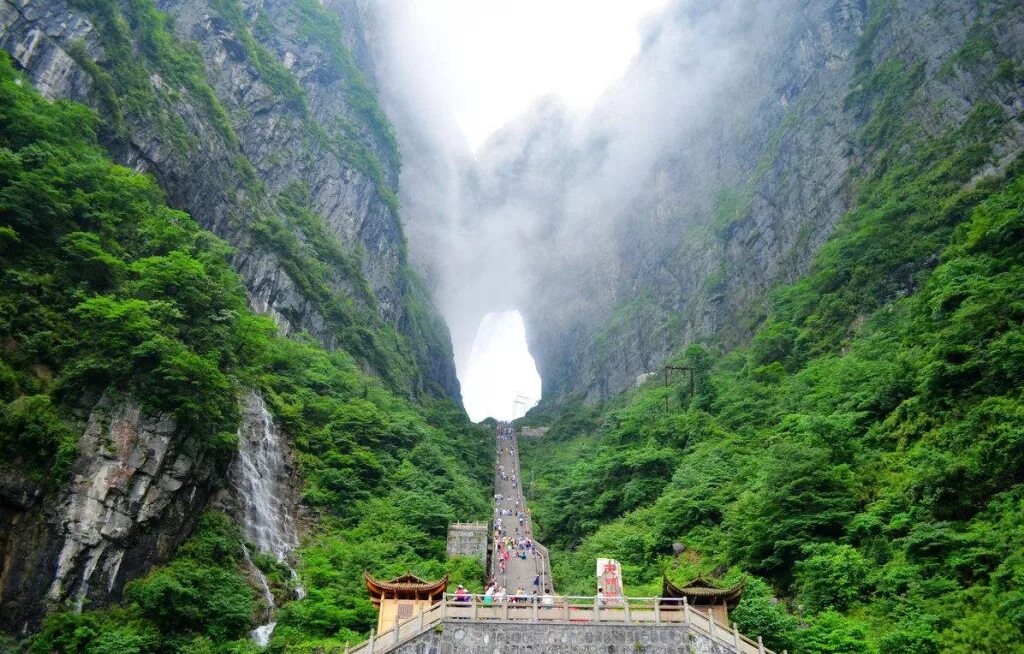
(625, 609)
(396, 627)
(504, 609)
(657, 611)
(736, 638)
(597, 609)
(371, 641)
(472, 601)
(536, 610)
(686, 612)
(346, 647)
(419, 620)
(711, 622)
(444, 606)
(760, 645)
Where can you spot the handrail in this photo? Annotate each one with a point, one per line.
(571, 609)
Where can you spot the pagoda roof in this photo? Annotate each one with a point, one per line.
(407, 586)
(702, 592)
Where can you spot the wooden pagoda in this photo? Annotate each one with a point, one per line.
(402, 597)
(703, 595)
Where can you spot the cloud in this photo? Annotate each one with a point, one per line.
(540, 215)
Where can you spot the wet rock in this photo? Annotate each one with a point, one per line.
(136, 488)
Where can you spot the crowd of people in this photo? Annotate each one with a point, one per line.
(496, 594)
(512, 536)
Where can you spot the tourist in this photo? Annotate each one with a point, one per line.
(461, 594)
(489, 595)
(536, 581)
(499, 596)
(547, 599)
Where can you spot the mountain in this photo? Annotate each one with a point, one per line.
(260, 120)
(207, 306)
(226, 389)
(716, 169)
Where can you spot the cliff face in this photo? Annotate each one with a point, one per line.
(762, 183)
(680, 206)
(136, 488)
(256, 118)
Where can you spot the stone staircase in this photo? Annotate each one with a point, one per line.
(570, 625)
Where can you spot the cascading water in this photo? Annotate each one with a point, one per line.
(260, 476)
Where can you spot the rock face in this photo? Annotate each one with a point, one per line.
(272, 140)
(714, 170)
(138, 484)
(747, 193)
(258, 118)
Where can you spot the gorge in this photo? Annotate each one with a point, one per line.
(245, 250)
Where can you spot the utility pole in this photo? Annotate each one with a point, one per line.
(520, 403)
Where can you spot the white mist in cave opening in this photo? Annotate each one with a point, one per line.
(500, 379)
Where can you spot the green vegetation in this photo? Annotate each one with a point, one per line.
(137, 44)
(269, 69)
(200, 603)
(105, 289)
(325, 29)
(147, 76)
(861, 457)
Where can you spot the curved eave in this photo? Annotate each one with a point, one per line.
(700, 592)
(407, 586)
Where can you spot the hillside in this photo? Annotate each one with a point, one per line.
(860, 456)
(227, 388)
(715, 170)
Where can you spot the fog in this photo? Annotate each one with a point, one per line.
(530, 217)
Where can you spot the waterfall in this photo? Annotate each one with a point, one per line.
(260, 476)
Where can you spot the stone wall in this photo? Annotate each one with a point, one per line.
(512, 638)
(468, 539)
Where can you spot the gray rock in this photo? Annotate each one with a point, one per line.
(203, 170)
(128, 504)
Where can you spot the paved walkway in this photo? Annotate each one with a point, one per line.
(515, 523)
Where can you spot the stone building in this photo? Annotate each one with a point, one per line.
(468, 539)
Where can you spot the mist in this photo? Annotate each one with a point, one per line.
(533, 219)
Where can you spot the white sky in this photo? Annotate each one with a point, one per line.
(499, 56)
(491, 60)
(500, 368)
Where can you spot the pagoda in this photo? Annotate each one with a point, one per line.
(403, 597)
(703, 595)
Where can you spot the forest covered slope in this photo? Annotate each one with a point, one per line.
(860, 458)
(116, 305)
(201, 246)
(721, 164)
(258, 119)
(133, 332)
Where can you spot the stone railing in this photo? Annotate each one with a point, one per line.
(575, 611)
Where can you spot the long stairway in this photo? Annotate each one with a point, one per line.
(568, 625)
(512, 520)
